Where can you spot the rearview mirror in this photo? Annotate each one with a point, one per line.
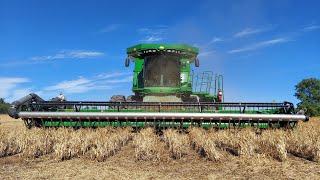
(127, 62)
(196, 62)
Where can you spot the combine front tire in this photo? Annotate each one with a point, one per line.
(30, 123)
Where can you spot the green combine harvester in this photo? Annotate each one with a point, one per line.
(167, 94)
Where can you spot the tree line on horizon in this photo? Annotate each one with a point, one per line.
(3, 106)
(307, 91)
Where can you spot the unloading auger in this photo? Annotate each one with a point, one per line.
(167, 94)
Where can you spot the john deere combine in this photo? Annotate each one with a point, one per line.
(166, 94)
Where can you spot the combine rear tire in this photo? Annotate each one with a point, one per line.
(30, 123)
(288, 125)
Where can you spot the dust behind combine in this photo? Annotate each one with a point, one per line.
(119, 153)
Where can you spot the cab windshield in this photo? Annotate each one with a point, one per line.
(162, 70)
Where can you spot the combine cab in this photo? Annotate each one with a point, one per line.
(167, 94)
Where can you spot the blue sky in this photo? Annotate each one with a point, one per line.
(263, 48)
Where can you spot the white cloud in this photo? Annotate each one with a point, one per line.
(156, 30)
(122, 80)
(84, 54)
(111, 75)
(72, 54)
(71, 86)
(249, 31)
(13, 63)
(18, 93)
(215, 40)
(154, 34)
(206, 53)
(9, 85)
(79, 85)
(311, 28)
(259, 45)
(85, 84)
(150, 39)
(110, 28)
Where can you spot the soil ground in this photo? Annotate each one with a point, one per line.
(123, 165)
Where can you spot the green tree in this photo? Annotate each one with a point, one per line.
(308, 92)
(2, 101)
(3, 106)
